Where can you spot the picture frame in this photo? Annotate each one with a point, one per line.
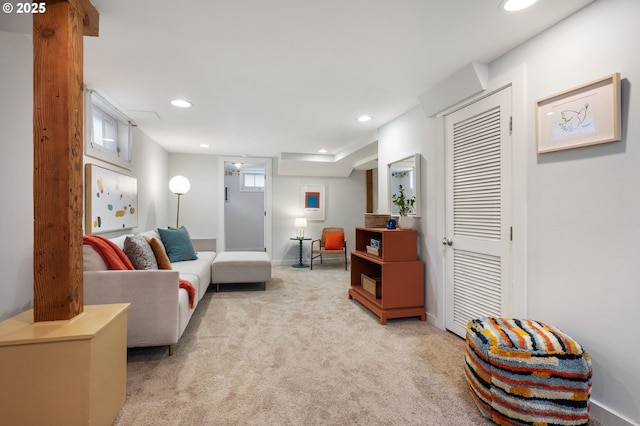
(585, 115)
(111, 200)
(312, 202)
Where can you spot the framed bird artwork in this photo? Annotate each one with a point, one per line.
(585, 115)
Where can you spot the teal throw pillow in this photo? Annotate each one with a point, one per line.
(177, 244)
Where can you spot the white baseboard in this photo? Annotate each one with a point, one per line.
(608, 416)
(431, 319)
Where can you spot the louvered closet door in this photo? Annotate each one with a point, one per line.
(477, 241)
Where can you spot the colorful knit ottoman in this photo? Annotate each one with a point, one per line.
(524, 372)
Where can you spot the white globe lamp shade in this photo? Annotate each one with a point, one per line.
(179, 185)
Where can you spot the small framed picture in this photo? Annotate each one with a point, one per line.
(312, 202)
(585, 115)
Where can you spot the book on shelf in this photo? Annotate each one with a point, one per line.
(376, 251)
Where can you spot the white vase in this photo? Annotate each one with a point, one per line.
(406, 222)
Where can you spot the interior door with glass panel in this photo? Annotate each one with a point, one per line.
(478, 215)
(244, 208)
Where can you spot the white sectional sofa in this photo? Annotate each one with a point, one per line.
(159, 311)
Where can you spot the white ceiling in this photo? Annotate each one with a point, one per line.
(280, 77)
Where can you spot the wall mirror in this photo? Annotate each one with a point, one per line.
(405, 172)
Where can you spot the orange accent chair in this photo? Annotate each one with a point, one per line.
(331, 242)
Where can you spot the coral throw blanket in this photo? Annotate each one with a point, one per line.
(116, 259)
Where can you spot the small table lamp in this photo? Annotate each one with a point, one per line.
(301, 223)
(179, 185)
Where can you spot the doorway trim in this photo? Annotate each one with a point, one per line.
(268, 227)
(516, 78)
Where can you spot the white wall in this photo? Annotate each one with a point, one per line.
(198, 207)
(410, 134)
(582, 205)
(16, 172)
(149, 164)
(345, 207)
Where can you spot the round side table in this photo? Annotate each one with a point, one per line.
(300, 264)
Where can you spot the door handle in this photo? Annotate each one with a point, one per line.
(447, 241)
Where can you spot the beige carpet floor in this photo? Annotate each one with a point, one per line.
(299, 353)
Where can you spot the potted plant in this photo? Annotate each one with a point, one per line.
(405, 206)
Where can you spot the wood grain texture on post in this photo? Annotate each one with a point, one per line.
(58, 158)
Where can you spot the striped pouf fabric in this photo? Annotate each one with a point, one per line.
(524, 372)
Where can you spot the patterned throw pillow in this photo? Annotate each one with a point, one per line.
(158, 251)
(139, 252)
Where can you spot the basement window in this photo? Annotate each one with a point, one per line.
(252, 181)
(107, 131)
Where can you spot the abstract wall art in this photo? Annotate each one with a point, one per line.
(312, 202)
(111, 200)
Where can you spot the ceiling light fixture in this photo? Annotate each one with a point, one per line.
(204, 145)
(363, 118)
(181, 103)
(322, 151)
(514, 5)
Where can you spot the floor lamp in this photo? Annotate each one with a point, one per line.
(179, 185)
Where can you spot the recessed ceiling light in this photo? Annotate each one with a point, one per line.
(513, 5)
(181, 103)
(204, 145)
(364, 118)
(322, 151)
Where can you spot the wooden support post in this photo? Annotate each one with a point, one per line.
(58, 156)
(369, 191)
